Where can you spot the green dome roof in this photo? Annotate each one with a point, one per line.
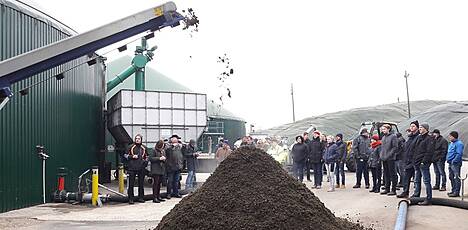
(215, 110)
(159, 82)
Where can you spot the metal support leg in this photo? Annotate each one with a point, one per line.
(43, 180)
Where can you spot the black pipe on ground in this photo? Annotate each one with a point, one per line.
(443, 202)
(64, 196)
(116, 198)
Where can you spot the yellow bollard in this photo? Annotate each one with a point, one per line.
(95, 191)
(121, 178)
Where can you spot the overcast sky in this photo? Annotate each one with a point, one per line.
(339, 54)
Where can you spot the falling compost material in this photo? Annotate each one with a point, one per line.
(190, 21)
(250, 190)
(224, 77)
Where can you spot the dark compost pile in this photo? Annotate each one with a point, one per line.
(250, 190)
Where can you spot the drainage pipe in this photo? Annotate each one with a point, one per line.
(400, 223)
(443, 202)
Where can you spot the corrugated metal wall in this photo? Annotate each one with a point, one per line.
(64, 116)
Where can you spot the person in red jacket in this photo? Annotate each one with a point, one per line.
(374, 163)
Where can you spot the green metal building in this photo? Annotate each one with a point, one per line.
(222, 123)
(63, 115)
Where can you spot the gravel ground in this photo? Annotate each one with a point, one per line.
(357, 204)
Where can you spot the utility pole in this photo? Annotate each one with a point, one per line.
(292, 97)
(407, 93)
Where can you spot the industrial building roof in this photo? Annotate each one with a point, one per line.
(159, 82)
(32, 9)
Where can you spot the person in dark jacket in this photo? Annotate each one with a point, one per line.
(374, 163)
(315, 156)
(308, 164)
(158, 169)
(423, 154)
(190, 154)
(330, 156)
(440, 154)
(408, 158)
(299, 154)
(174, 164)
(360, 152)
(454, 158)
(388, 153)
(341, 149)
(137, 161)
(400, 168)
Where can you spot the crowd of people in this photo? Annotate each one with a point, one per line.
(164, 163)
(393, 160)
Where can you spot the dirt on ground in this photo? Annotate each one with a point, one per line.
(250, 190)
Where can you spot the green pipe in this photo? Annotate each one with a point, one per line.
(140, 61)
(138, 68)
(140, 79)
(121, 77)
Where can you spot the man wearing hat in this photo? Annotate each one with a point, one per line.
(408, 158)
(440, 154)
(174, 164)
(360, 151)
(423, 155)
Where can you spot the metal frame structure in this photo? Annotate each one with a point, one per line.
(28, 64)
